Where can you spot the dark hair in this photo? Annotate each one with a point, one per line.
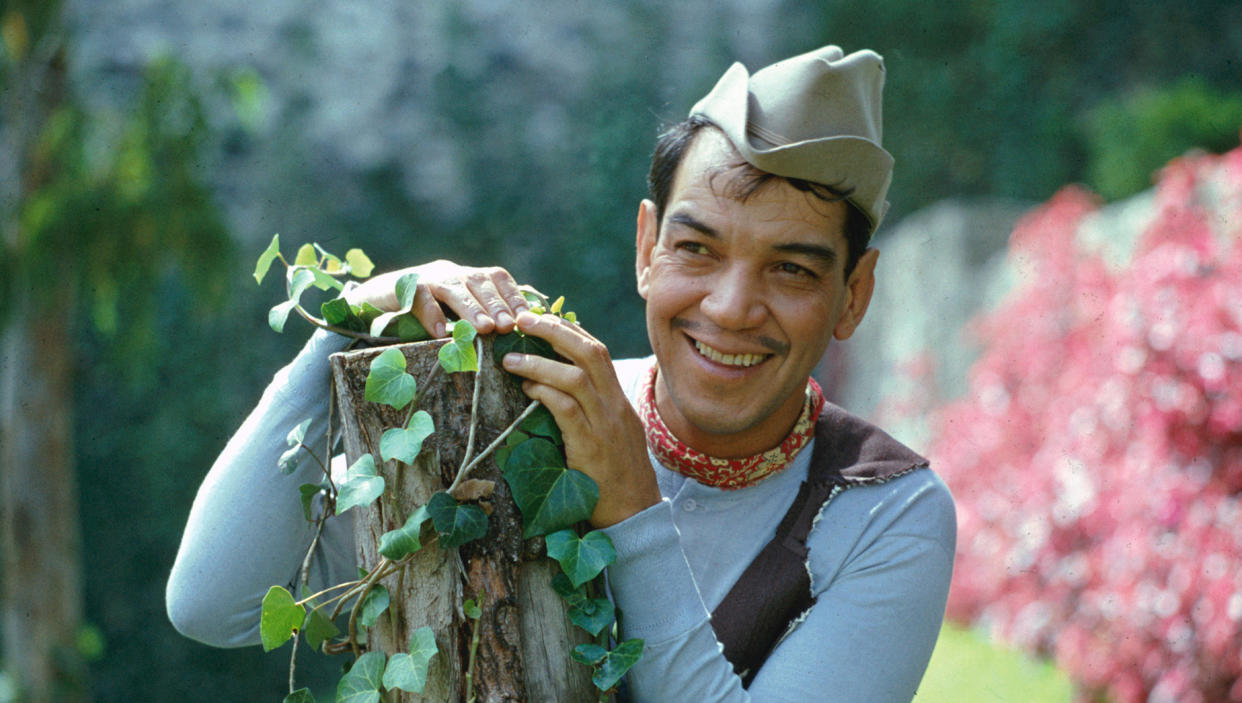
(671, 147)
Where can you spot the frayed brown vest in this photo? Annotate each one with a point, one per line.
(775, 590)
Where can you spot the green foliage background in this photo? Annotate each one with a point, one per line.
(984, 98)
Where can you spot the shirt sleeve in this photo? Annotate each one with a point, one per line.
(881, 560)
(246, 530)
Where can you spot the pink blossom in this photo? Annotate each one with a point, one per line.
(1097, 457)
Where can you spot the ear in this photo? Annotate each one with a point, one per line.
(648, 227)
(858, 290)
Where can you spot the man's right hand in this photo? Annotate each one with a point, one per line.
(488, 298)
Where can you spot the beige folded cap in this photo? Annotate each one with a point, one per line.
(815, 117)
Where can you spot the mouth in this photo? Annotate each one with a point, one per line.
(735, 360)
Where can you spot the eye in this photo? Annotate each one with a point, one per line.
(795, 270)
(692, 247)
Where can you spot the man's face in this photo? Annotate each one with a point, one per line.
(742, 299)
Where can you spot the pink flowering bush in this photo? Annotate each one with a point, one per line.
(1097, 456)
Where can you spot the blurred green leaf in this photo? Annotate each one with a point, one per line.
(408, 672)
(266, 258)
(363, 681)
(362, 485)
(279, 618)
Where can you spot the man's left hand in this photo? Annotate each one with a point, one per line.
(603, 436)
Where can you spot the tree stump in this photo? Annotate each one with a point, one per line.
(525, 635)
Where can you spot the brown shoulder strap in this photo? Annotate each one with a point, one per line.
(775, 590)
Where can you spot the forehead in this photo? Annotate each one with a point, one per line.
(714, 176)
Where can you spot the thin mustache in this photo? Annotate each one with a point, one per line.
(772, 345)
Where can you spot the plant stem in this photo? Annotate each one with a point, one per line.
(311, 551)
(347, 584)
(474, 402)
(381, 570)
(474, 648)
(328, 450)
(495, 443)
(293, 659)
(345, 332)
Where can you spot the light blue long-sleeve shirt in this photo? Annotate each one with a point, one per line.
(881, 557)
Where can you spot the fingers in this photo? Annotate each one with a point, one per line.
(588, 380)
(488, 298)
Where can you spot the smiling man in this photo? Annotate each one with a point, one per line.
(770, 546)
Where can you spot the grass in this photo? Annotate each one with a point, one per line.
(967, 668)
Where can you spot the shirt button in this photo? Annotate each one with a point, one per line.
(689, 505)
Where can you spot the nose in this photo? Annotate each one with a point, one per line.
(735, 301)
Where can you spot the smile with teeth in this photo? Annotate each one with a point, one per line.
(741, 360)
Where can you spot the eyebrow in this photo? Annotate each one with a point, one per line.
(826, 255)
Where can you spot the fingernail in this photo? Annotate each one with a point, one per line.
(482, 320)
(511, 361)
(527, 318)
(440, 329)
(503, 320)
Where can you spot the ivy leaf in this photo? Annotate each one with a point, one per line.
(456, 523)
(408, 672)
(298, 433)
(279, 618)
(331, 263)
(336, 312)
(288, 460)
(501, 455)
(405, 444)
(362, 683)
(471, 609)
(540, 423)
(279, 314)
(318, 628)
(388, 383)
(459, 355)
(589, 653)
(302, 695)
(367, 312)
(407, 539)
(373, 605)
(326, 281)
(581, 558)
(362, 485)
(359, 264)
(409, 329)
(594, 615)
(575, 596)
(306, 256)
(300, 279)
(550, 496)
(309, 491)
(405, 289)
(591, 614)
(519, 343)
(616, 663)
(266, 258)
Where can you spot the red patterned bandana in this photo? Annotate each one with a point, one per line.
(725, 473)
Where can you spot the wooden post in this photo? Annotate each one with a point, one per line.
(525, 635)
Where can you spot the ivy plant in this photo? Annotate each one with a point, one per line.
(553, 499)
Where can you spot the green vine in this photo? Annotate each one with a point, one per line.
(553, 499)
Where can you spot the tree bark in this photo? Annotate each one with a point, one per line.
(39, 536)
(524, 635)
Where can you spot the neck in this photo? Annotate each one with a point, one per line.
(759, 437)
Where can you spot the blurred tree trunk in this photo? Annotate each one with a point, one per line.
(42, 590)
